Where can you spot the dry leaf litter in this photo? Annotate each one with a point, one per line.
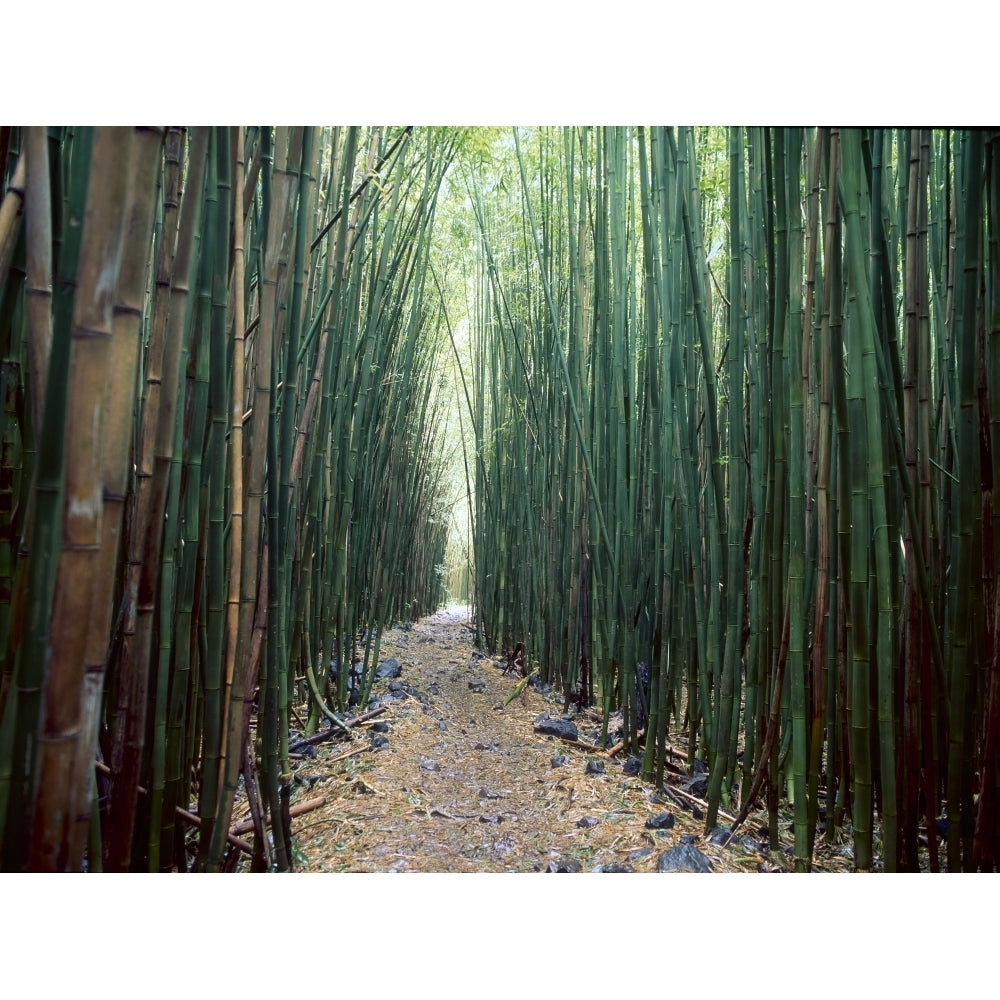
(450, 779)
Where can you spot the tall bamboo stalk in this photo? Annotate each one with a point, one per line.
(104, 365)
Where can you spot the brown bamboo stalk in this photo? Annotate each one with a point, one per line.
(126, 347)
(325, 734)
(39, 267)
(250, 185)
(253, 585)
(189, 817)
(252, 576)
(246, 825)
(312, 400)
(79, 562)
(234, 645)
(162, 378)
(10, 216)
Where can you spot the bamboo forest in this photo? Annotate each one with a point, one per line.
(699, 425)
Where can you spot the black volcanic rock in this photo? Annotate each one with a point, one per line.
(563, 728)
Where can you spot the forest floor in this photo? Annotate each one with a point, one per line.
(447, 778)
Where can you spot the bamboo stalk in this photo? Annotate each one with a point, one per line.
(71, 712)
(191, 819)
(38, 286)
(299, 809)
(157, 436)
(22, 708)
(10, 215)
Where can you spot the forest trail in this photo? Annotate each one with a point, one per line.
(449, 779)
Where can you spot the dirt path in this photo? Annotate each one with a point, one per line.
(463, 783)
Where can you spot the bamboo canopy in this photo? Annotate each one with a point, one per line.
(724, 405)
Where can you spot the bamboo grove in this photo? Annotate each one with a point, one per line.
(736, 404)
(220, 470)
(729, 413)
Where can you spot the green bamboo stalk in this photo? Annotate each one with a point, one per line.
(966, 591)
(163, 455)
(868, 490)
(274, 666)
(217, 223)
(737, 467)
(19, 726)
(165, 240)
(821, 671)
(796, 506)
(915, 640)
(234, 686)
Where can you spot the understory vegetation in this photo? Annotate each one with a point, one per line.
(703, 422)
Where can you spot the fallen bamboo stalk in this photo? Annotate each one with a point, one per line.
(671, 751)
(589, 747)
(308, 741)
(244, 826)
(188, 817)
(620, 745)
(700, 802)
(231, 838)
(348, 752)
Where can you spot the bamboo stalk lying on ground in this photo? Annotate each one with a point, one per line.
(326, 734)
(308, 805)
(189, 817)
